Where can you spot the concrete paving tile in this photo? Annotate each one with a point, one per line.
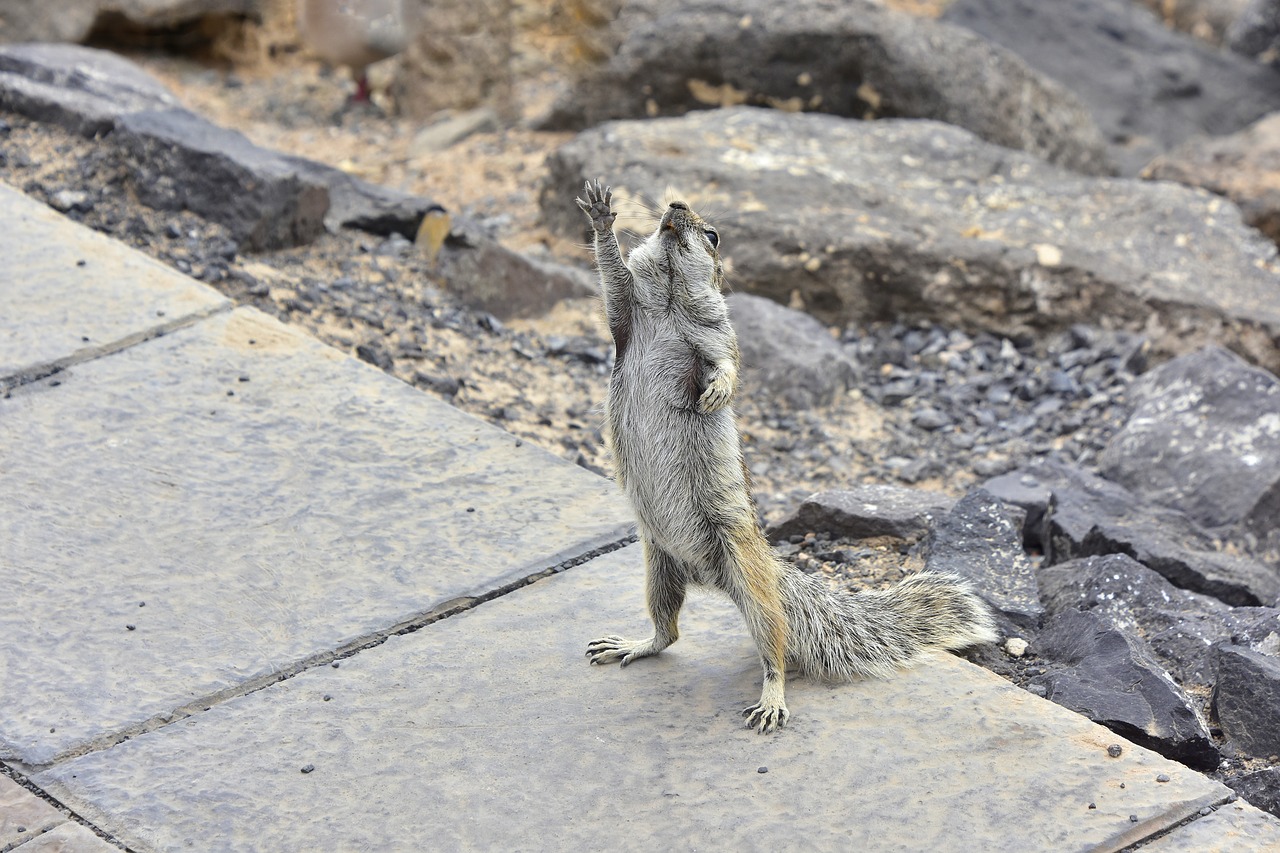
(23, 814)
(67, 838)
(1233, 828)
(170, 531)
(70, 293)
(489, 730)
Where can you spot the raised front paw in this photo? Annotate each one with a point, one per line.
(598, 206)
(613, 648)
(765, 717)
(718, 393)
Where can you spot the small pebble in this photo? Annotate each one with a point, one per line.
(131, 627)
(334, 664)
(1016, 647)
(471, 509)
(327, 697)
(762, 769)
(307, 768)
(1115, 750)
(1122, 785)
(1093, 805)
(1133, 818)
(1206, 811)
(1163, 777)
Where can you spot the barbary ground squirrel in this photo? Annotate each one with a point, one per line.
(677, 455)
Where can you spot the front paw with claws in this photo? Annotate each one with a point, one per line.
(719, 392)
(598, 206)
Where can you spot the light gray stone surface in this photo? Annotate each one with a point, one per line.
(1233, 827)
(489, 730)
(269, 499)
(23, 815)
(67, 838)
(52, 305)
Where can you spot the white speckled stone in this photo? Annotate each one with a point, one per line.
(51, 305)
(263, 523)
(489, 730)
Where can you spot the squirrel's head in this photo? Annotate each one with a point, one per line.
(686, 248)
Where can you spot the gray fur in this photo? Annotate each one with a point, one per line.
(676, 448)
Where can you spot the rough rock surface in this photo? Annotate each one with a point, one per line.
(1256, 32)
(1148, 87)
(981, 539)
(74, 20)
(1111, 679)
(853, 58)
(787, 353)
(1244, 167)
(186, 163)
(79, 88)
(1091, 516)
(489, 277)
(1205, 438)
(1178, 625)
(917, 219)
(1261, 788)
(1246, 699)
(865, 512)
(1020, 489)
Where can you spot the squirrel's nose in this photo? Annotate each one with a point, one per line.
(679, 205)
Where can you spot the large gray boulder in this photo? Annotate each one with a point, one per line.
(853, 58)
(920, 220)
(74, 20)
(1147, 86)
(866, 511)
(787, 354)
(1204, 437)
(1244, 167)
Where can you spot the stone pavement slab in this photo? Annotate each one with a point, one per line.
(1231, 828)
(23, 815)
(68, 293)
(204, 512)
(489, 730)
(67, 838)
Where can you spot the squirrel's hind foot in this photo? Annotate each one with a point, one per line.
(613, 649)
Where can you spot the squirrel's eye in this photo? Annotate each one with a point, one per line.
(712, 237)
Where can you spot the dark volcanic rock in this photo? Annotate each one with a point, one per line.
(79, 88)
(864, 512)
(1244, 167)
(919, 220)
(185, 163)
(854, 58)
(1148, 87)
(1261, 789)
(358, 204)
(1023, 490)
(1205, 438)
(1178, 625)
(1092, 517)
(981, 539)
(1108, 677)
(1246, 699)
(788, 354)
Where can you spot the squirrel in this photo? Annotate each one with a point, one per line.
(678, 459)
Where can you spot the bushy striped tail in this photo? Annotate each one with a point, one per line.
(841, 636)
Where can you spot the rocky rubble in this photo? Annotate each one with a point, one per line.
(916, 219)
(1135, 614)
